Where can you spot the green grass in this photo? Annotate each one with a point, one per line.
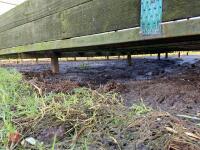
(16, 99)
(89, 119)
(84, 66)
(83, 113)
(140, 109)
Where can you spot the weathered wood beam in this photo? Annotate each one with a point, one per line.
(129, 59)
(47, 20)
(120, 39)
(33, 10)
(55, 64)
(179, 54)
(166, 55)
(158, 57)
(37, 60)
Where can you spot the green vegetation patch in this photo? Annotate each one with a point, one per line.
(82, 119)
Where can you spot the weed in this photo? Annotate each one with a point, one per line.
(84, 66)
(139, 109)
(22, 110)
(81, 119)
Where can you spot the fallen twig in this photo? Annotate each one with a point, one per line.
(116, 142)
(189, 134)
(192, 135)
(171, 130)
(189, 117)
(35, 86)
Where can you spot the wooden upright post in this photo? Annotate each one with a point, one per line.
(166, 55)
(129, 59)
(179, 54)
(36, 60)
(158, 56)
(54, 64)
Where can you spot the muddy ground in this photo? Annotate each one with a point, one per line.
(171, 85)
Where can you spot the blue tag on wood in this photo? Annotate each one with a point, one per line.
(151, 17)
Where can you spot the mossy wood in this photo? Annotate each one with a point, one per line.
(37, 21)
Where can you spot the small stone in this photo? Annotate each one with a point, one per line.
(159, 119)
(31, 141)
(149, 74)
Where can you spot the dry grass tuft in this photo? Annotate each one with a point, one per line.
(85, 119)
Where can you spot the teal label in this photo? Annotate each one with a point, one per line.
(151, 17)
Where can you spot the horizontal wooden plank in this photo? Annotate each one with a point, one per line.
(180, 9)
(79, 21)
(36, 9)
(47, 20)
(32, 10)
(119, 38)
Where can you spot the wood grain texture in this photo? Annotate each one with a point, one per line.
(38, 21)
(180, 9)
(32, 10)
(117, 41)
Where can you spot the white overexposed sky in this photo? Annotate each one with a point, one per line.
(6, 5)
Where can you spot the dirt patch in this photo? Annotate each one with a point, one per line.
(176, 92)
(160, 130)
(51, 85)
(164, 85)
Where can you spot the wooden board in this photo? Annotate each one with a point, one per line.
(32, 10)
(38, 21)
(122, 40)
